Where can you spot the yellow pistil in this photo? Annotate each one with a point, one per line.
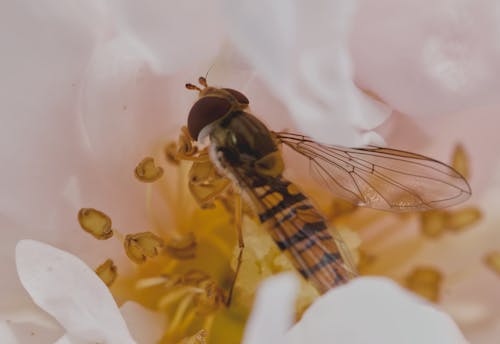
(107, 271)
(96, 223)
(146, 171)
(141, 246)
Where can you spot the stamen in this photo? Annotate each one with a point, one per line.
(186, 148)
(141, 246)
(198, 338)
(460, 219)
(107, 272)
(433, 222)
(174, 295)
(96, 223)
(178, 315)
(171, 152)
(182, 248)
(144, 283)
(425, 281)
(146, 171)
(460, 161)
(183, 326)
(492, 260)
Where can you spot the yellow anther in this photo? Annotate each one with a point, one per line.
(183, 248)
(425, 281)
(96, 223)
(433, 222)
(171, 152)
(460, 161)
(185, 147)
(202, 172)
(107, 272)
(460, 219)
(146, 171)
(205, 183)
(211, 299)
(141, 246)
(492, 260)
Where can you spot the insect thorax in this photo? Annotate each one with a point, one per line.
(243, 141)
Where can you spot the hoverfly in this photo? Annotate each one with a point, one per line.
(243, 152)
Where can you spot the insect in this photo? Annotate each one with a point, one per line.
(244, 153)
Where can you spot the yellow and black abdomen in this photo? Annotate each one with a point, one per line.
(246, 152)
(300, 230)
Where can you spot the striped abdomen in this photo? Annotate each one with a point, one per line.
(301, 231)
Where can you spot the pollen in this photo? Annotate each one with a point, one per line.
(426, 282)
(107, 272)
(492, 260)
(141, 246)
(96, 223)
(147, 172)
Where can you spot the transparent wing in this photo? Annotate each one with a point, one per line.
(381, 178)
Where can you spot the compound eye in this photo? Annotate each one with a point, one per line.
(204, 112)
(240, 97)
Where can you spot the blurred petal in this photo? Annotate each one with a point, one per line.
(428, 60)
(301, 51)
(6, 335)
(71, 292)
(273, 310)
(374, 310)
(176, 34)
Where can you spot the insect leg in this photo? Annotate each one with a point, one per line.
(238, 212)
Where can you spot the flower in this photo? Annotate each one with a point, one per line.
(64, 286)
(89, 90)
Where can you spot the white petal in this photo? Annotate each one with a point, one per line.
(273, 310)
(71, 292)
(6, 334)
(146, 326)
(301, 52)
(177, 33)
(374, 310)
